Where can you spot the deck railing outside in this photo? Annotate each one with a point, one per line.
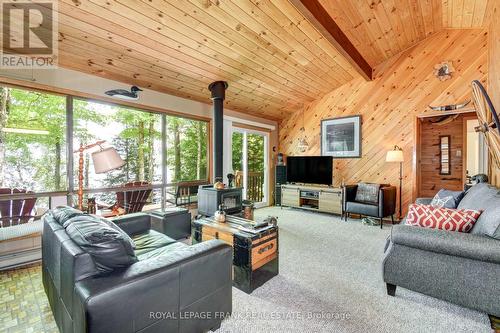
(255, 184)
(47, 199)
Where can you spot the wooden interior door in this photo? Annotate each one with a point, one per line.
(429, 178)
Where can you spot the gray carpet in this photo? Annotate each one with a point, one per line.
(330, 281)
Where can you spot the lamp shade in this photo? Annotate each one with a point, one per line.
(107, 159)
(394, 156)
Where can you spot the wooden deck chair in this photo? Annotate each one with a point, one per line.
(16, 211)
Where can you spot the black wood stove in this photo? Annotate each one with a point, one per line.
(209, 200)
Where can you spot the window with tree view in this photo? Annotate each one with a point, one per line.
(136, 135)
(32, 140)
(34, 150)
(187, 142)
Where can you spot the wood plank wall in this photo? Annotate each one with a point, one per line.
(430, 179)
(494, 76)
(389, 106)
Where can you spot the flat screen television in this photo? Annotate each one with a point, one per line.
(309, 169)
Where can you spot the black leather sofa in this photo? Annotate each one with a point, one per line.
(167, 287)
(383, 206)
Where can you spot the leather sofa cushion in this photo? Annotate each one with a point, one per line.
(63, 213)
(161, 251)
(150, 241)
(363, 208)
(109, 247)
(111, 224)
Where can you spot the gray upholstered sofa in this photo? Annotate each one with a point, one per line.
(462, 268)
(101, 276)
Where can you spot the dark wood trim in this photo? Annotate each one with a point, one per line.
(321, 20)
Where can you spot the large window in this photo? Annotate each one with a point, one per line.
(33, 144)
(186, 149)
(34, 149)
(136, 135)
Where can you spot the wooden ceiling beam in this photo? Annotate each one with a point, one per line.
(319, 17)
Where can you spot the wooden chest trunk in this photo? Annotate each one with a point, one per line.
(255, 255)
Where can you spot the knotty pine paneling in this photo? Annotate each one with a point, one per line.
(390, 104)
(466, 13)
(382, 29)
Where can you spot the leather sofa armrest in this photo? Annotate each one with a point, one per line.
(133, 224)
(423, 201)
(167, 283)
(452, 243)
(387, 201)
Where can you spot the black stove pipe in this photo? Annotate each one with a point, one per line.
(218, 90)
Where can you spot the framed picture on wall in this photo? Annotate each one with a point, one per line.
(341, 137)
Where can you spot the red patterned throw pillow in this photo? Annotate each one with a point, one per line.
(427, 216)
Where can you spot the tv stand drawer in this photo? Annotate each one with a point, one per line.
(330, 201)
(290, 197)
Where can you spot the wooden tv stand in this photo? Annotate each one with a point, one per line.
(310, 197)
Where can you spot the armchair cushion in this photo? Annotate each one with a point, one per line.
(363, 208)
(367, 193)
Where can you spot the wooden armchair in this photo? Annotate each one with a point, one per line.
(185, 193)
(16, 211)
(133, 201)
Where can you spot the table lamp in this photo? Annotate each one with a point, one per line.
(396, 155)
(105, 159)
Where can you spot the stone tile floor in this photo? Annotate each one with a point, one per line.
(23, 304)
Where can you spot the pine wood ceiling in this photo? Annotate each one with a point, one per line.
(381, 29)
(274, 59)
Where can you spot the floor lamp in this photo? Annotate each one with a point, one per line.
(105, 159)
(396, 155)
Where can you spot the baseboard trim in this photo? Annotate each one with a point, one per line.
(21, 258)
